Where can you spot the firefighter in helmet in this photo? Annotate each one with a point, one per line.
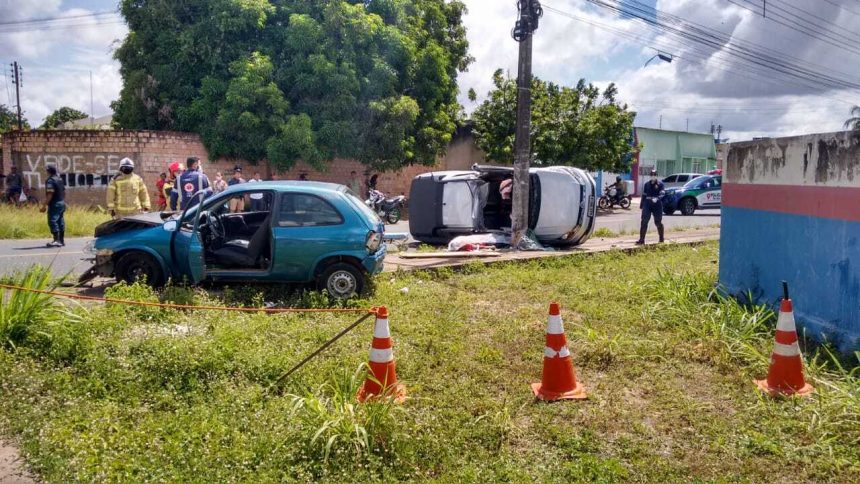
(127, 194)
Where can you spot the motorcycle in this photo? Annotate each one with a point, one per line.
(611, 198)
(389, 209)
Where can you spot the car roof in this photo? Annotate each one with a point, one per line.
(287, 185)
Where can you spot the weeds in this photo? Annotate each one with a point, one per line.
(163, 395)
(37, 321)
(28, 223)
(335, 426)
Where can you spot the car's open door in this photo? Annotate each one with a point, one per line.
(186, 245)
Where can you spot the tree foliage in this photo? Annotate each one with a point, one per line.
(61, 116)
(854, 121)
(579, 126)
(286, 80)
(9, 120)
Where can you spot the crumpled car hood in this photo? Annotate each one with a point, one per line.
(133, 222)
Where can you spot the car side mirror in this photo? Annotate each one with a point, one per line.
(170, 225)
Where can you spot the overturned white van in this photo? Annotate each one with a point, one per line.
(445, 204)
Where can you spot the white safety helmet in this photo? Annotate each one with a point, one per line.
(126, 162)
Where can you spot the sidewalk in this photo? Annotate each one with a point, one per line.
(394, 262)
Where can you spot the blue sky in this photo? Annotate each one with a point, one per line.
(598, 45)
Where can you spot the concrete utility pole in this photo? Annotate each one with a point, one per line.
(16, 74)
(530, 12)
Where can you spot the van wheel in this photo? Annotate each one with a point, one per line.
(341, 280)
(139, 267)
(688, 206)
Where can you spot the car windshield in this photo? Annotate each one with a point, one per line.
(362, 207)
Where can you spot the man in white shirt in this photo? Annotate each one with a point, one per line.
(257, 202)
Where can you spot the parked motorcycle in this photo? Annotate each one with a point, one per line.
(388, 209)
(611, 198)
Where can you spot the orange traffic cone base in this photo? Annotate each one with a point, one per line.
(578, 393)
(397, 392)
(783, 392)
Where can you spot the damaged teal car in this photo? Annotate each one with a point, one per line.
(296, 232)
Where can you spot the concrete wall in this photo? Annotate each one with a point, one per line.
(89, 158)
(791, 211)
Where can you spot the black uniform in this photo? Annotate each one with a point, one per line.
(652, 205)
(57, 208)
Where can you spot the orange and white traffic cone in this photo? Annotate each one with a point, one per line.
(785, 376)
(559, 378)
(382, 379)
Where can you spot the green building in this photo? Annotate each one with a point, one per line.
(672, 152)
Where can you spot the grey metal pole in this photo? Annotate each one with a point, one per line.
(527, 24)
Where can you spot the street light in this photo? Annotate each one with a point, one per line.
(663, 57)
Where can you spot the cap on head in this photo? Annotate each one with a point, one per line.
(51, 169)
(126, 163)
(653, 172)
(617, 178)
(237, 169)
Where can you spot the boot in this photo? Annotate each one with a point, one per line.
(660, 232)
(56, 241)
(62, 238)
(642, 231)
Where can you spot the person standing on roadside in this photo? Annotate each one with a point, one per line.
(127, 193)
(159, 190)
(652, 205)
(192, 181)
(55, 205)
(14, 185)
(354, 183)
(219, 185)
(237, 204)
(257, 203)
(171, 191)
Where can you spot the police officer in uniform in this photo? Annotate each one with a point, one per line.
(192, 181)
(55, 205)
(652, 205)
(127, 193)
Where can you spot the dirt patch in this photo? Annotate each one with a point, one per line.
(13, 470)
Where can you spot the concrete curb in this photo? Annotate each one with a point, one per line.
(394, 263)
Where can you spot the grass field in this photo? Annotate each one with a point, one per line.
(29, 223)
(140, 394)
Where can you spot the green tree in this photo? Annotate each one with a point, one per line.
(374, 80)
(579, 126)
(854, 121)
(61, 116)
(9, 120)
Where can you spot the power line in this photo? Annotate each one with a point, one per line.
(813, 15)
(808, 28)
(750, 71)
(60, 27)
(750, 52)
(52, 19)
(842, 7)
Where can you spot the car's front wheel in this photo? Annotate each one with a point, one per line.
(139, 267)
(341, 280)
(688, 206)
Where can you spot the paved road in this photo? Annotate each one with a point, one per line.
(18, 254)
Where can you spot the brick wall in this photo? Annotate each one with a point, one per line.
(88, 159)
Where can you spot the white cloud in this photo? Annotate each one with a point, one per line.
(703, 84)
(56, 57)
